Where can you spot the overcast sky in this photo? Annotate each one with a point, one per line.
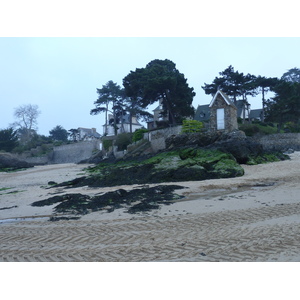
(44, 62)
(61, 75)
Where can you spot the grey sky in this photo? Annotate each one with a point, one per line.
(61, 75)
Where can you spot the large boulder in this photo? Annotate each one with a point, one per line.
(191, 139)
(8, 161)
(239, 145)
(235, 143)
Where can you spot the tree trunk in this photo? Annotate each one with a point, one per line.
(263, 105)
(170, 113)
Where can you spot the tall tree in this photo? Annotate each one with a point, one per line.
(248, 88)
(231, 82)
(285, 105)
(292, 75)
(109, 100)
(265, 84)
(58, 133)
(74, 134)
(161, 81)
(133, 89)
(26, 121)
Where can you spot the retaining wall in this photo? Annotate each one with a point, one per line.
(157, 137)
(280, 141)
(73, 153)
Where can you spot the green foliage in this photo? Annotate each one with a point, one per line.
(58, 133)
(123, 140)
(258, 128)
(285, 106)
(36, 141)
(232, 83)
(191, 126)
(138, 134)
(161, 81)
(107, 144)
(292, 75)
(112, 95)
(291, 127)
(8, 139)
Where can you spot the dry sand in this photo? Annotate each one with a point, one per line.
(250, 218)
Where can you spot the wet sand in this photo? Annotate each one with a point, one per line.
(250, 218)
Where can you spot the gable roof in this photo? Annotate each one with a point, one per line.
(256, 114)
(202, 113)
(224, 96)
(89, 132)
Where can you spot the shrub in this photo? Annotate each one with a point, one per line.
(138, 134)
(191, 126)
(107, 144)
(258, 128)
(123, 140)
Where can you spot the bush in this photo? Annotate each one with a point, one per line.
(291, 127)
(258, 128)
(123, 140)
(138, 134)
(107, 144)
(191, 126)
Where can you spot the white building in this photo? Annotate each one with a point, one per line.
(122, 126)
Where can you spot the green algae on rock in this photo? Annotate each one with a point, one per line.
(189, 164)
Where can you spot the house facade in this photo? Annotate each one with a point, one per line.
(122, 126)
(223, 113)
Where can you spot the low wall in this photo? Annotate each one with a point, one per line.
(157, 138)
(73, 153)
(280, 141)
(273, 142)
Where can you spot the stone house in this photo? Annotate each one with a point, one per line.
(223, 113)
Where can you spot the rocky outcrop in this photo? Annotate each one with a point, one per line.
(235, 143)
(8, 161)
(172, 166)
(239, 145)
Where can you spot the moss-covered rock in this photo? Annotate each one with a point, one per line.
(189, 164)
(266, 158)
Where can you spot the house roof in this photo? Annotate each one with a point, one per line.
(202, 113)
(90, 132)
(224, 96)
(256, 113)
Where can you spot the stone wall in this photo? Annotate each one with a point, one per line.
(279, 141)
(73, 153)
(157, 138)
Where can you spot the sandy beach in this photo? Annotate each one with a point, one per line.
(246, 219)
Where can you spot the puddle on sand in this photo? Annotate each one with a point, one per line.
(4, 221)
